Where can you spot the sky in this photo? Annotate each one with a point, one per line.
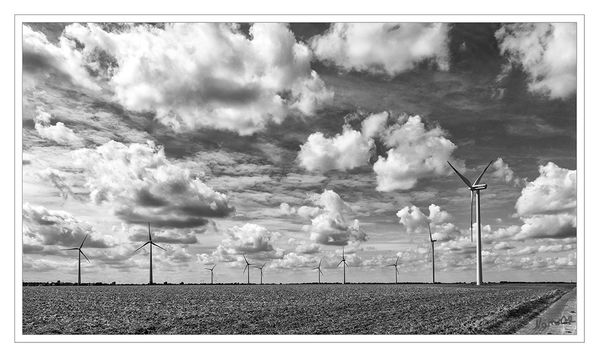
(290, 144)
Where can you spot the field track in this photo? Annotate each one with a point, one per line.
(325, 309)
(557, 319)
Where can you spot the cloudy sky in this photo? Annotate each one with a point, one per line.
(290, 142)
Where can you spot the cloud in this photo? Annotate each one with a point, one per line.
(553, 191)
(344, 151)
(548, 226)
(64, 60)
(142, 185)
(170, 236)
(504, 172)
(416, 221)
(412, 150)
(44, 227)
(415, 153)
(197, 75)
(383, 48)
(252, 240)
(546, 52)
(57, 178)
(58, 132)
(330, 226)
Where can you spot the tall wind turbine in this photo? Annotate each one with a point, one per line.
(260, 267)
(430, 237)
(151, 244)
(80, 254)
(247, 267)
(475, 189)
(395, 265)
(344, 264)
(211, 273)
(319, 271)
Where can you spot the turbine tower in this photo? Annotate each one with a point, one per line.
(430, 236)
(151, 244)
(211, 273)
(260, 267)
(319, 271)
(80, 254)
(344, 264)
(247, 267)
(395, 265)
(475, 189)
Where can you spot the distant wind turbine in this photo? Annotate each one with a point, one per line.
(319, 271)
(430, 236)
(211, 273)
(344, 264)
(247, 267)
(80, 254)
(260, 267)
(395, 265)
(475, 189)
(151, 244)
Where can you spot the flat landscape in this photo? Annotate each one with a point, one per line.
(286, 309)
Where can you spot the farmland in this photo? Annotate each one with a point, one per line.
(285, 309)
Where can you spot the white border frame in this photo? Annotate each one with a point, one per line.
(579, 337)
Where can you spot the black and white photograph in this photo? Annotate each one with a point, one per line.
(299, 178)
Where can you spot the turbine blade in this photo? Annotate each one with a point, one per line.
(396, 261)
(146, 243)
(321, 272)
(466, 181)
(149, 234)
(70, 249)
(244, 268)
(156, 245)
(320, 263)
(482, 173)
(340, 263)
(81, 246)
(80, 251)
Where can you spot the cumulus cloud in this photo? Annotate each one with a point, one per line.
(142, 185)
(548, 226)
(57, 178)
(503, 171)
(344, 151)
(252, 240)
(546, 52)
(413, 151)
(58, 132)
(553, 191)
(194, 75)
(47, 227)
(63, 59)
(416, 221)
(383, 48)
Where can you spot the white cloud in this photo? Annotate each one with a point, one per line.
(388, 48)
(39, 55)
(416, 221)
(415, 153)
(344, 151)
(58, 132)
(46, 227)
(504, 172)
(548, 226)
(142, 185)
(194, 75)
(546, 52)
(553, 191)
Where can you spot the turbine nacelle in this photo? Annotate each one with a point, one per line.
(478, 187)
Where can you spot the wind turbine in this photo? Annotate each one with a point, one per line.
(211, 273)
(344, 264)
(79, 264)
(395, 265)
(247, 266)
(475, 189)
(430, 236)
(260, 267)
(151, 244)
(319, 271)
